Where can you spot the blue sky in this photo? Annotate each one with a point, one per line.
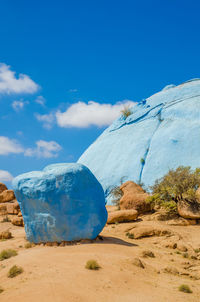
(67, 68)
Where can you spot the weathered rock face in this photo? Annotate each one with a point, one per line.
(189, 210)
(134, 198)
(9, 207)
(161, 133)
(122, 216)
(64, 202)
(2, 187)
(7, 195)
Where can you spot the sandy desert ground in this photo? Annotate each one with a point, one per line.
(58, 274)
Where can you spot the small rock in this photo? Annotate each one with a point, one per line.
(148, 231)
(171, 270)
(138, 262)
(18, 221)
(147, 254)
(122, 216)
(5, 235)
(182, 247)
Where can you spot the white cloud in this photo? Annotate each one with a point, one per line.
(46, 119)
(83, 115)
(40, 100)
(8, 146)
(5, 176)
(44, 149)
(9, 83)
(19, 105)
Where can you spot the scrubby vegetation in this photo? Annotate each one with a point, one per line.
(28, 245)
(126, 111)
(142, 161)
(6, 254)
(116, 193)
(1, 290)
(92, 265)
(130, 235)
(185, 288)
(176, 185)
(15, 271)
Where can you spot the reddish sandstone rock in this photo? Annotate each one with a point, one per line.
(18, 221)
(6, 196)
(13, 208)
(3, 209)
(122, 216)
(134, 198)
(2, 187)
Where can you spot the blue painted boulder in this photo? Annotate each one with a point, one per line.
(64, 202)
(161, 133)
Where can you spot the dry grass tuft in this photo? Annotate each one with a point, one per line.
(28, 245)
(92, 265)
(185, 288)
(6, 254)
(15, 271)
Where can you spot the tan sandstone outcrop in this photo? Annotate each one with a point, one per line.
(7, 196)
(122, 216)
(2, 187)
(18, 221)
(9, 206)
(189, 210)
(134, 198)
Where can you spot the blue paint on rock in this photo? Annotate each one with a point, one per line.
(64, 202)
(163, 130)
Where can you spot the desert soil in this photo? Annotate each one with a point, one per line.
(58, 274)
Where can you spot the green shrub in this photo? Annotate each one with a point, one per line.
(142, 161)
(196, 250)
(176, 185)
(126, 111)
(15, 271)
(5, 254)
(185, 288)
(92, 265)
(179, 184)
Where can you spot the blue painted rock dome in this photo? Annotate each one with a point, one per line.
(161, 133)
(64, 202)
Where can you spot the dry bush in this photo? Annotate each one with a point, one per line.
(185, 288)
(92, 265)
(15, 271)
(6, 254)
